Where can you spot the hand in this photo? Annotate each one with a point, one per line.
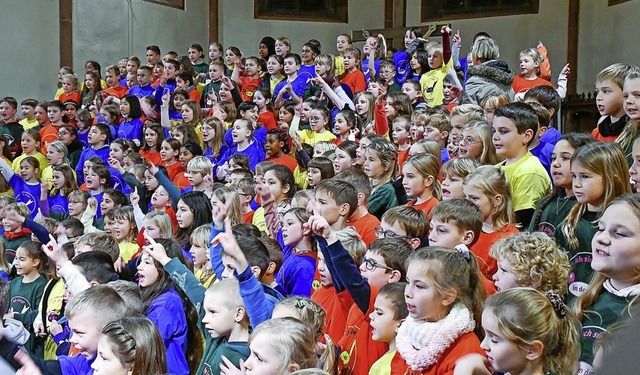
(457, 40)
(134, 198)
(92, 202)
(9, 314)
(231, 247)
(566, 70)
(297, 142)
(156, 250)
(298, 109)
(115, 164)
(319, 225)
(14, 216)
(445, 29)
(55, 327)
(45, 187)
(288, 87)
(227, 82)
(28, 367)
(55, 252)
(39, 330)
(472, 364)
(153, 169)
(119, 265)
(352, 135)
(165, 98)
(228, 368)
(382, 92)
(108, 100)
(200, 78)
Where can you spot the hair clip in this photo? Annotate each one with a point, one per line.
(301, 304)
(556, 302)
(463, 250)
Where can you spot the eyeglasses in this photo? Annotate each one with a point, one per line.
(381, 233)
(63, 133)
(305, 51)
(371, 264)
(469, 140)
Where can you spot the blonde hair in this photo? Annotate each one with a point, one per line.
(73, 79)
(328, 60)
(440, 122)
(485, 132)
(162, 220)
(535, 56)
(200, 236)
(631, 129)
(231, 199)
(371, 104)
(459, 167)
(469, 111)
(292, 342)
(352, 242)
(616, 73)
(536, 261)
(200, 164)
(427, 165)
(428, 146)
(604, 159)
(324, 146)
(19, 208)
(485, 49)
(492, 181)
(495, 101)
(230, 289)
(525, 315)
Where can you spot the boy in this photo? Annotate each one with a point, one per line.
(275, 263)
(14, 232)
(131, 66)
(401, 137)
(28, 107)
(143, 88)
(437, 129)
(383, 263)
(167, 80)
(548, 97)
(293, 87)
(184, 81)
(112, 77)
(388, 75)
(364, 222)
(98, 241)
(97, 139)
(131, 80)
(246, 190)
(515, 126)
(336, 201)
(69, 230)
(451, 90)
(153, 55)
(198, 170)
(87, 313)
(196, 56)
(459, 222)
(9, 125)
(404, 222)
(212, 88)
(412, 89)
(609, 101)
(538, 148)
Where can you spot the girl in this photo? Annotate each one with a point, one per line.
(26, 289)
(323, 69)
(61, 73)
(231, 56)
(119, 149)
(319, 120)
(84, 120)
(354, 77)
(345, 156)
(380, 165)
(346, 126)
(275, 66)
(30, 144)
(319, 169)
(153, 138)
(130, 345)
(262, 98)
(170, 310)
(374, 51)
(444, 299)
(283, 46)
(193, 210)
(343, 41)
(528, 332)
(63, 184)
(188, 151)
(419, 64)
(278, 347)
(111, 114)
(286, 111)
(453, 174)
(476, 143)
(185, 133)
(70, 89)
(213, 145)
(69, 136)
(491, 103)
(131, 127)
(91, 89)
(277, 149)
(200, 253)
(169, 153)
(125, 232)
(420, 180)
(630, 133)
(398, 104)
(56, 156)
(26, 185)
(599, 174)
(487, 188)
(192, 115)
(157, 224)
(553, 208)
(612, 292)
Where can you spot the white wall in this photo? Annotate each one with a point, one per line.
(30, 49)
(238, 28)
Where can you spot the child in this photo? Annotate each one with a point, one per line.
(299, 262)
(444, 288)
(98, 146)
(318, 169)
(515, 126)
(389, 311)
(487, 188)
(476, 142)
(131, 344)
(277, 149)
(30, 145)
(492, 102)
(553, 208)
(420, 180)
(320, 122)
(401, 137)
(533, 260)
(252, 77)
(56, 156)
(610, 102)
(112, 77)
(244, 144)
(437, 128)
(354, 78)
(262, 98)
(293, 87)
(97, 182)
(28, 107)
(27, 289)
(530, 60)
(343, 41)
(611, 293)
(527, 332)
(57, 201)
(345, 156)
(70, 89)
(184, 81)
(346, 126)
(169, 153)
(199, 251)
(451, 90)
(198, 172)
(131, 127)
(460, 116)
(125, 232)
(598, 171)
(453, 173)
(380, 165)
(548, 98)
(26, 185)
(412, 89)
(143, 88)
(439, 63)
(630, 132)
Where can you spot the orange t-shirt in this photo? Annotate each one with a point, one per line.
(151, 156)
(73, 97)
(48, 134)
(601, 138)
(194, 95)
(119, 92)
(366, 227)
(337, 307)
(268, 119)
(488, 265)
(425, 206)
(174, 171)
(521, 84)
(248, 217)
(402, 157)
(356, 81)
(181, 181)
(285, 160)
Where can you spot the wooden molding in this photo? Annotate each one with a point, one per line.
(213, 22)
(66, 32)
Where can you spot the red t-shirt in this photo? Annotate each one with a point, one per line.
(152, 156)
(336, 306)
(248, 217)
(268, 120)
(356, 81)
(425, 206)
(488, 265)
(73, 97)
(174, 172)
(521, 84)
(285, 160)
(366, 227)
(119, 92)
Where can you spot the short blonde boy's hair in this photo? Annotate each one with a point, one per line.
(352, 242)
(536, 261)
(459, 166)
(200, 164)
(614, 72)
(440, 122)
(230, 289)
(79, 196)
(470, 111)
(19, 208)
(200, 236)
(245, 186)
(100, 241)
(100, 302)
(6, 200)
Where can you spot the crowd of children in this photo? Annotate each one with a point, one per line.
(368, 212)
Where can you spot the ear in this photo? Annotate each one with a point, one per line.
(256, 271)
(286, 188)
(293, 367)
(528, 136)
(499, 199)
(103, 181)
(361, 199)
(394, 277)
(534, 350)
(449, 297)
(415, 243)
(305, 231)
(344, 209)
(429, 181)
(271, 268)
(468, 237)
(444, 135)
(398, 323)
(240, 314)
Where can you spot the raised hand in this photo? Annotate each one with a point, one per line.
(155, 250)
(55, 252)
(134, 198)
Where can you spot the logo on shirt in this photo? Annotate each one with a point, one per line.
(28, 199)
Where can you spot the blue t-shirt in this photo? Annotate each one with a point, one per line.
(58, 203)
(298, 85)
(27, 193)
(131, 129)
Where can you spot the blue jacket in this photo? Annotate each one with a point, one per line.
(102, 153)
(141, 91)
(254, 152)
(297, 270)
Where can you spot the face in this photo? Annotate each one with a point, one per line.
(263, 359)
(158, 70)
(470, 144)
(194, 54)
(631, 95)
(24, 263)
(527, 65)
(503, 354)
(251, 114)
(410, 90)
(151, 138)
(86, 335)
(185, 156)
(383, 321)
(616, 250)
(400, 133)
(413, 63)
(230, 57)
(215, 73)
(390, 109)
(374, 269)
(160, 198)
(169, 71)
(67, 85)
(435, 59)
(317, 121)
(195, 178)
(106, 362)
(350, 61)
(290, 66)
(144, 77)
(107, 203)
(417, 130)
(275, 186)
(373, 166)
(214, 52)
(424, 301)
(342, 43)
(273, 145)
(178, 100)
(408, 38)
(28, 111)
(148, 274)
(70, 111)
(489, 113)
(93, 181)
(263, 50)
(314, 176)
(7, 111)
(291, 229)
(588, 187)
(240, 132)
(480, 199)
(504, 278)
(167, 153)
(218, 319)
(561, 164)
(112, 78)
(259, 99)
(59, 181)
(27, 171)
(281, 48)
(55, 114)
(76, 207)
(199, 254)
(325, 276)
(187, 113)
(181, 84)
(634, 171)
(362, 106)
(116, 151)
(449, 91)
(125, 108)
(28, 144)
(413, 182)
(109, 226)
(340, 127)
(507, 141)
(274, 66)
(328, 208)
(184, 215)
(445, 234)
(321, 69)
(41, 115)
(10, 225)
(151, 229)
(342, 161)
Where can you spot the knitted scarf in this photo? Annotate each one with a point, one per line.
(421, 343)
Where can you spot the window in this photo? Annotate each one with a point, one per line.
(302, 10)
(444, 10)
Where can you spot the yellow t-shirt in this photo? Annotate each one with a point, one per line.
(28, 124)
(44, 163)
(260, 222)
(528, 181)
(431, 85)
(339, 65)
(383, 365)
(127, 250)
(54, 306)
(310, 137)
(208, 281)
(300, 177)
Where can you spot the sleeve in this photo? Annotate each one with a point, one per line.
(79, 166)
(29, 316)
(357, 287)
(215, 253)
(254, 297)
(381, 122)
(446, 48)
(6, 170)
(338, 285)
(41, 232)
(187, 281)
(74, 280)
(172, 189)
(160, 314)
(545, 66)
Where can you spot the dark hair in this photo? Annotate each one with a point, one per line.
(75, 225)
(423, 60)
(358, 179)
(275, 252)
(246, 230)
(200, 206)
(325, 165)
(394, 251)
(285, 176)
(186, 76)
(522, 115)
(118, 197)
(5, 294)
(153, 48)
(193, 148)
(545, 95)
(282, 137)
(394, 293)
(255, 251)
(293, 56)
(95, 266)
(134, 105)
